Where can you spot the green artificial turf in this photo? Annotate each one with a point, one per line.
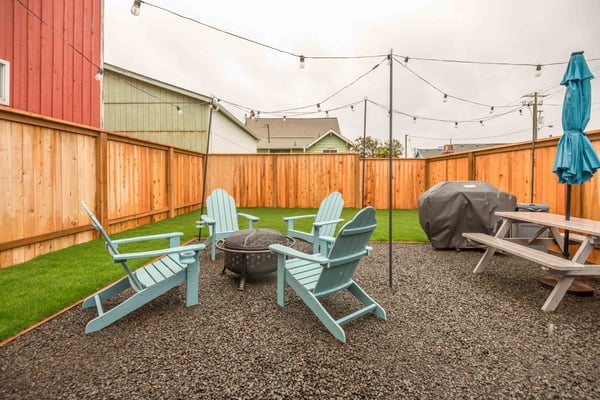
(36, 289)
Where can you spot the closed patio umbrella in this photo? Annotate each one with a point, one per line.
(576, 159)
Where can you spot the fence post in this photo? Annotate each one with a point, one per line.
(169, 174)
(472, 169)
(102, 178)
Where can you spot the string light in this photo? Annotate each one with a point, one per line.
(352, 107)
(301, 62)
(491, 109)
(319, 107)
(481, 122)
(99, 74)
(414, 120)
(445, 98)
(179, 110)
(135, 8)
(456, 125)
(538, 70)
(284, 118)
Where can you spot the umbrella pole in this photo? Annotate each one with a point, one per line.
(567, 217)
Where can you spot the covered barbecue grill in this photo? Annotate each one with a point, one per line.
(450, 208)
(247, 252)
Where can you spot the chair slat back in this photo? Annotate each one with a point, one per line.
(111, 247)
(330, 209)
(220, 206)
(349, 247)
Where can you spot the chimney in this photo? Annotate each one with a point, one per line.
(448, 148)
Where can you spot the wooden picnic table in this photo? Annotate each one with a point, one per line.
(587, 234)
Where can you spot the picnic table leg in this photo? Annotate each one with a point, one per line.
(558, 293)
(504, 228)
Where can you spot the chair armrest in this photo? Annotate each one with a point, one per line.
(208, 220)
(150, 237)
(323, 223)
(299, 217)
(160, 252)
(288, 251)
(251, 219)
(248, 216)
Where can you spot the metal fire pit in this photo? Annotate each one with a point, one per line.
(247, 252)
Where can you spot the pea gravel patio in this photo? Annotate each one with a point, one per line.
(449, 334)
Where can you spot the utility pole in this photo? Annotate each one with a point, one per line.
(534, 135)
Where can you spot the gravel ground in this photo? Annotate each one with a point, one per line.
(449, 334)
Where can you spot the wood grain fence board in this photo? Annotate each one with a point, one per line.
(47, 166)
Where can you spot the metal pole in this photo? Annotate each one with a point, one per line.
(390, 253)
(405, 146)
(364, 154)
(533, 139)
(210, 111)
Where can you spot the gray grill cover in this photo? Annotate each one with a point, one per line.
(451, 208)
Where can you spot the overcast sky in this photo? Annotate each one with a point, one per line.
(190, 55)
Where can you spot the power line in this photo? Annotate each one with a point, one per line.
(406, 58)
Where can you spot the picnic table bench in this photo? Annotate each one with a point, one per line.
(565, 269)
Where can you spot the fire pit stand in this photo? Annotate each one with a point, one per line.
(247, 252)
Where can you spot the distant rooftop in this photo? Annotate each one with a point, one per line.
(279, 133)
(453, 148)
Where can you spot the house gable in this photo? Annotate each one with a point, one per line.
(153, 110)
(292, 135)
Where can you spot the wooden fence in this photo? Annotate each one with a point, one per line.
(48, 166)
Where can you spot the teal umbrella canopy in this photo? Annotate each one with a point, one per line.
(576, 159)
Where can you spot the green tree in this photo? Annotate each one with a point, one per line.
(376, 148)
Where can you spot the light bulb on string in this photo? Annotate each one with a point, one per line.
(352, 107)
(456, 125)
(414, 120)
(99, 74)
(301, 62)
(319, 107)
(445, 98)
(135, 8)
(491, 109)
(538, 70)
(179, 110)
(284, 118)
(327, 113)
(481, 122)
(521, 112)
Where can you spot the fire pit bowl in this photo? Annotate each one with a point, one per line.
(247, 252)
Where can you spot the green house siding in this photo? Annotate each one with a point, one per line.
(329, 142)
(146, 111)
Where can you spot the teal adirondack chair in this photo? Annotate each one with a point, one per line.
(177, 264)
(313, 276)
(222, 218)
(324, 224)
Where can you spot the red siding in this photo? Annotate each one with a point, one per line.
(53, 62)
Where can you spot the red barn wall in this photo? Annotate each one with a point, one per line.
(54, 50)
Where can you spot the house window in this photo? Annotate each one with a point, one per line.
(4, 82)
(330, 151)
(280, 151)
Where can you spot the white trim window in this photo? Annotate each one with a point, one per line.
(330, 151)
(4, 82)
